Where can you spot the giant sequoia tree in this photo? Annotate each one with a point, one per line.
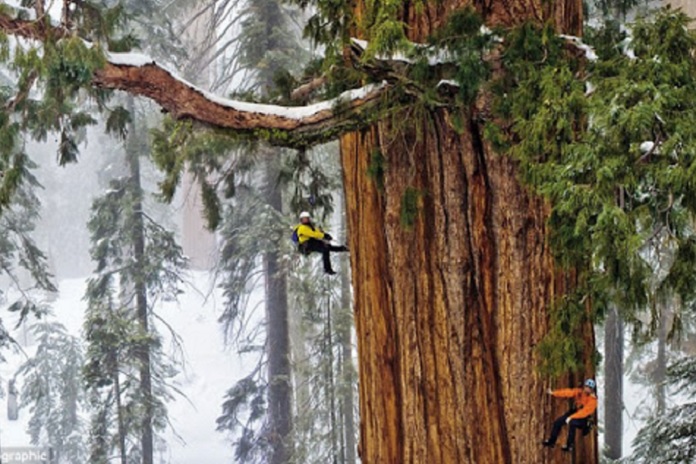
(494, 200)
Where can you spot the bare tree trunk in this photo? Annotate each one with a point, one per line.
(278, 337)
(331, 381)
(119, 418)
(301, 374)
(613, 384)
(660, 375)
(133, 152)
(449, 310)
(344, 330)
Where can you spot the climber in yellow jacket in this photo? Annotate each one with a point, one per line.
(585, 405)
(310, 238)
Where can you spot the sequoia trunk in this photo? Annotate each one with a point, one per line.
(453, 278)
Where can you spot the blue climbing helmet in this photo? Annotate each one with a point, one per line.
(591, 383)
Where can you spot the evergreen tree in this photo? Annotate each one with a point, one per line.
(53, 392)
(23, 265)
(320, 426)
(138, 262)
(20, 256)
(670, 437)
(130, 341)
(308, 183)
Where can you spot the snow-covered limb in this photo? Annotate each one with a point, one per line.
(448, 83)
(442, 57)
(313, 123)
(290, 117)
(647, 146)
(141, 75)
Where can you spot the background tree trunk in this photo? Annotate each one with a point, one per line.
(449, 311)
(142, 312)
(278, 337)
(613, 384)
(660, 373)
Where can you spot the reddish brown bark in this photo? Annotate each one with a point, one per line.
(450, 311)
(184, 102)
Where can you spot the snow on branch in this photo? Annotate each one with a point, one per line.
(579, 44)
(140, 74)
(435, 56)
(283, 125)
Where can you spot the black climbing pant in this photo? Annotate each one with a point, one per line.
(573, 426)
(320, 246)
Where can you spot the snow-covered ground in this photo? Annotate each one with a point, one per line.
(210, 369)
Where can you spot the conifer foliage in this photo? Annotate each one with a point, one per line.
(19, 254)
(670, 438)
(53, 392)
(259, 409)
(138, 262)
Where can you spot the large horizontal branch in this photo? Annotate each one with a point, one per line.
(282, 125)
(289, 125)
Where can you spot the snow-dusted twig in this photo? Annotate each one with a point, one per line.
(577, 42)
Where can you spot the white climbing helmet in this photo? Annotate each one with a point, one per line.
(305, 214)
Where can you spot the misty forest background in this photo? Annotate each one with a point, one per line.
(102, 283)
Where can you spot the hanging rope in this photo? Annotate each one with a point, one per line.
(332, 384)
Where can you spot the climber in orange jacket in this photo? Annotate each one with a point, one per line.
(577, 418)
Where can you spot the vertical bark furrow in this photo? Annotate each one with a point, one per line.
(468, 303)
(441, 268)
(492, 288)
(485, 265)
